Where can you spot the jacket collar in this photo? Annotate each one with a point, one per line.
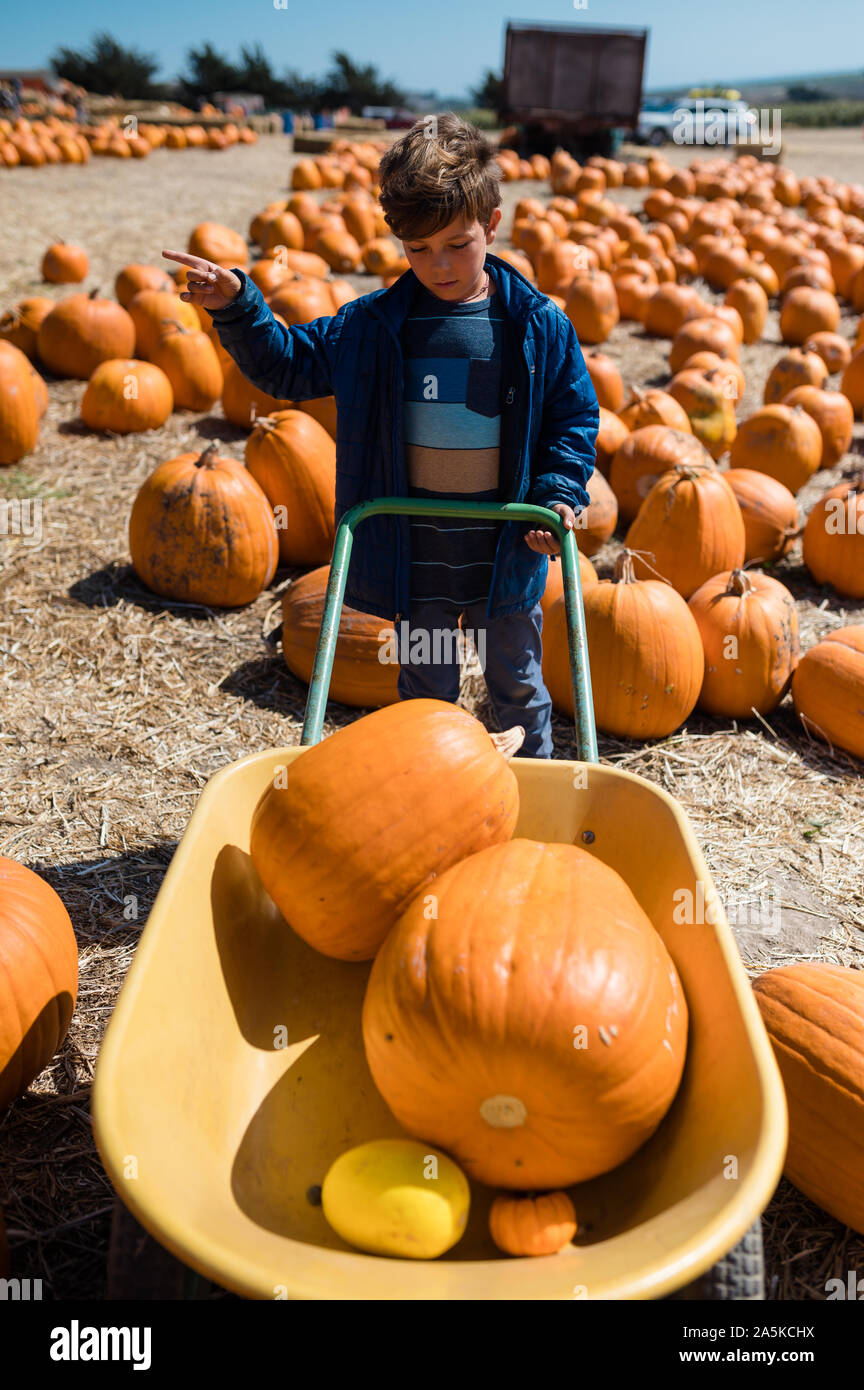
(518, 295)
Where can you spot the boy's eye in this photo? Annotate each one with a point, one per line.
(454, 246)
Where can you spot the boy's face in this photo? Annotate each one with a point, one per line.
(449, 263)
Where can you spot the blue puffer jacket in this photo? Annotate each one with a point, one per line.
(549, 420)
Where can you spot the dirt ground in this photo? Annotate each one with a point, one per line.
(119, 707)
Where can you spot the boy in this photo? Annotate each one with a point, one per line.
(461, 381)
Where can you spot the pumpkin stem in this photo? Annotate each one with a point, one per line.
(94, 293)
(740, 583)
(266, 423)
(624, 572)
(205, 459)
(175, 323)
(510, 741)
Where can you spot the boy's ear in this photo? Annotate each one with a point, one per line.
(494, 222)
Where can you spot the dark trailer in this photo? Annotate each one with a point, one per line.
(573, 85)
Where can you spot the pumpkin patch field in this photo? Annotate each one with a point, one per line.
(167, 529)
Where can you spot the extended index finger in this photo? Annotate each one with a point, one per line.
(196, 262)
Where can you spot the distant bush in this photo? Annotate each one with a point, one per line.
(823, 113)
(480, 116)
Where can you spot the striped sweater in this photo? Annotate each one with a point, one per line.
(451, 426)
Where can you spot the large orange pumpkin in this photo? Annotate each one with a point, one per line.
(780, 440)
(833, 540)
(828, 689)
(834, 350)
(359, 678)
(643, 456)
(19, 408)
(606, 380)
(749, 628)
(242, 402)
(709, 334)
(708, 401)
(807, 310)
(814, 1014)
(136, 277)
(833, 413)
(688, 528)
(533, 1024)
(597, 522)
(554, 587)
(751, 301)
(82, 331)
(189, 359)
(796, 367)
(125, 395)
(645, 653)
(202, 531)
(217, 243)
(38, 977)
(610, 436)
(359, 824)
(293, 458)
(770, 513)
(150, 311)
(651, 406)
(592, 306)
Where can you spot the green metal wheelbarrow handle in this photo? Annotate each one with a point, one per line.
(319, 685)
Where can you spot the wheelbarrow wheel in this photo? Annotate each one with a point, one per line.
(739, 1276)
(140, 1268)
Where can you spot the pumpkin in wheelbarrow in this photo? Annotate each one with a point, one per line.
(346, 835)
(527, 1018)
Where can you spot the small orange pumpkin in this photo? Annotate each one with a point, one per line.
(539, 1223)
(63, 264)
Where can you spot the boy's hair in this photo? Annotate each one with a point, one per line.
(441, 169)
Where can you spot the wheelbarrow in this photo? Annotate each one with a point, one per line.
(232, 1073)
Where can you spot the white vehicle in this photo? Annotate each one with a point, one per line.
(697, 121)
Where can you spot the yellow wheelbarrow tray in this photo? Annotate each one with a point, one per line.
(232, 1073)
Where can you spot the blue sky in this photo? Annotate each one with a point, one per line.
(449, 44)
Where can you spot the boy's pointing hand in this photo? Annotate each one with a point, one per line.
(207, 284)
(544, 542)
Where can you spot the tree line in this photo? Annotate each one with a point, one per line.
(109, 68)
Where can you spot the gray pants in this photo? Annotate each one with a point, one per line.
(509, 650)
